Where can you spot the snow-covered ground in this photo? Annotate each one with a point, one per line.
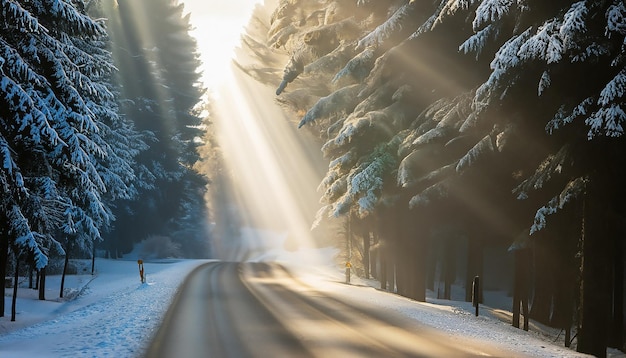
(113, 314)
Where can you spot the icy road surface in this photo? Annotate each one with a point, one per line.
(227, 309)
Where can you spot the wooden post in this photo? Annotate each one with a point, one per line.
(141, 272)
(476, 293)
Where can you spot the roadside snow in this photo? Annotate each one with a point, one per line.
(115, 315)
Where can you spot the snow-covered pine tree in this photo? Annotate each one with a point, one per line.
(490, 129)
(54, 93)
(585, 115)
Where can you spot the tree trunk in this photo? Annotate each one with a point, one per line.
(474, 265)
(4, 261)
(16, 279)
(432, 271)
(42, 284)
(400, 258)
(419, 276)
(521, 286)
(375, 258)
(449, 268)
(383, 269)
(564, 296)
(596, 272)
(565, 267)
(30, 276)
(616, 337)
(67, 259)
(392, 276)
(543, 283)
(419, 265)
(366, 253)
(93, 258)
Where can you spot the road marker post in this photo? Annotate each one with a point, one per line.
(476, 293)
(141, 272)
(348, 266)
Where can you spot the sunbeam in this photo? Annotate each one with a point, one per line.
(274, 168)
(217, 27)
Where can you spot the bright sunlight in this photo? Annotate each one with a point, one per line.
(217, 29)
(274, 167)
(271, 165)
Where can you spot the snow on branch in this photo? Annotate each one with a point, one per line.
(545, 45)
(9, 167)
(358, 67)
(366, 183)
(572, 190)
(451, 7)
(490, 11)
(563, 117)
(616, 18)
(484, 147)
(336, 189)
(345, 160)
(544, 82)
(479, 40)
(609, 119)
(331, 176)
(26, 109)
(353, 126)
(573, 23)
(551, 166)
(26, 239)
(332, 61)
(437, 191)
(508, 56)
(14, 16)
(80, 24)
(342, 100)
(425, 164)
(13, 65)
(432, 135)
(384, 31)
(361, 186)
(430, 23)
(614, 90)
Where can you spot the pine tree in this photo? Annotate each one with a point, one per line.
(483, 79)
(158, 77)
(57, 132)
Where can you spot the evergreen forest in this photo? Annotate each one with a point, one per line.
(100, 126)
(463, 137)
(463, 132)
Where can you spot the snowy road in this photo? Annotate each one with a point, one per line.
(260, 310)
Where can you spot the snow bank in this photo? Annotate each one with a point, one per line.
(114, 316)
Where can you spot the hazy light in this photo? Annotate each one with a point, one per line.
(275, 169)
(270, 162)
(217, 28)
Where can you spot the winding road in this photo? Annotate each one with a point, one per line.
(227, 309)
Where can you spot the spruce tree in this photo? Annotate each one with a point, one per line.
(159, 80)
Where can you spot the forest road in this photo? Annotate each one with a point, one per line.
(228, 309)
